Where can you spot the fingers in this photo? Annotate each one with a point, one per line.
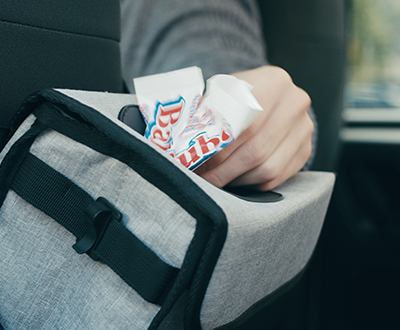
(286, 160)
(269, 86)
(289, 171)
(284, 163)
(289, 157)
(273, 149)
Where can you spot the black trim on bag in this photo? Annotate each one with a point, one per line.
(12, 161)
(85, 125)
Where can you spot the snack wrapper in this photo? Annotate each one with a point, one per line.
(188, 126)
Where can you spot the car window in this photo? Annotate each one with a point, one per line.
(374, 55)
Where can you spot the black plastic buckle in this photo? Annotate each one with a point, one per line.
(99, 214)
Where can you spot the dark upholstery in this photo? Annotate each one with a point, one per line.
(61, 44)
(307, 38)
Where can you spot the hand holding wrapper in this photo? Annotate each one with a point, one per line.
(189, 128)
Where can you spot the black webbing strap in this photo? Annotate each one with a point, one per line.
(61, 199)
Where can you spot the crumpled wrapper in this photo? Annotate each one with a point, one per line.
(188, 126)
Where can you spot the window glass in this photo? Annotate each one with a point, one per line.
(374, 55)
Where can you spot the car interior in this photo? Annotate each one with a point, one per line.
(352, 281)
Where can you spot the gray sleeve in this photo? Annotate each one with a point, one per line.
(220, 36)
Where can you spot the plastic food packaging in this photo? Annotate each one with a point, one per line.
(188, 126)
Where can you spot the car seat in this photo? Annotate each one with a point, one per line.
(60, 44)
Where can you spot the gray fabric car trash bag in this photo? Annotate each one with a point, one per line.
(101, 230)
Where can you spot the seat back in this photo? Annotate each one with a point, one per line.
(62, 44)
(307, 39)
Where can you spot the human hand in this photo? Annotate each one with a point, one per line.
(276, 145)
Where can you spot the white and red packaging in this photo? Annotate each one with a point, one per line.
(186, 125)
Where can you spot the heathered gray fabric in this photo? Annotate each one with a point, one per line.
(45, 284)
(148, 212)
(267, 244)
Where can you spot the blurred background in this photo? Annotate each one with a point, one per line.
(360, 246)
(346, 55)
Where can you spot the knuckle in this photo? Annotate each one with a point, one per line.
(311, 126)
(308, 127)
(276, 76)
(306, 99)
(270, 171)
(304, 154)
(281, 74)
(267, 186)
(303, 100)
(308, 150)
(252, 129)
(215, 179)
(256, 152)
